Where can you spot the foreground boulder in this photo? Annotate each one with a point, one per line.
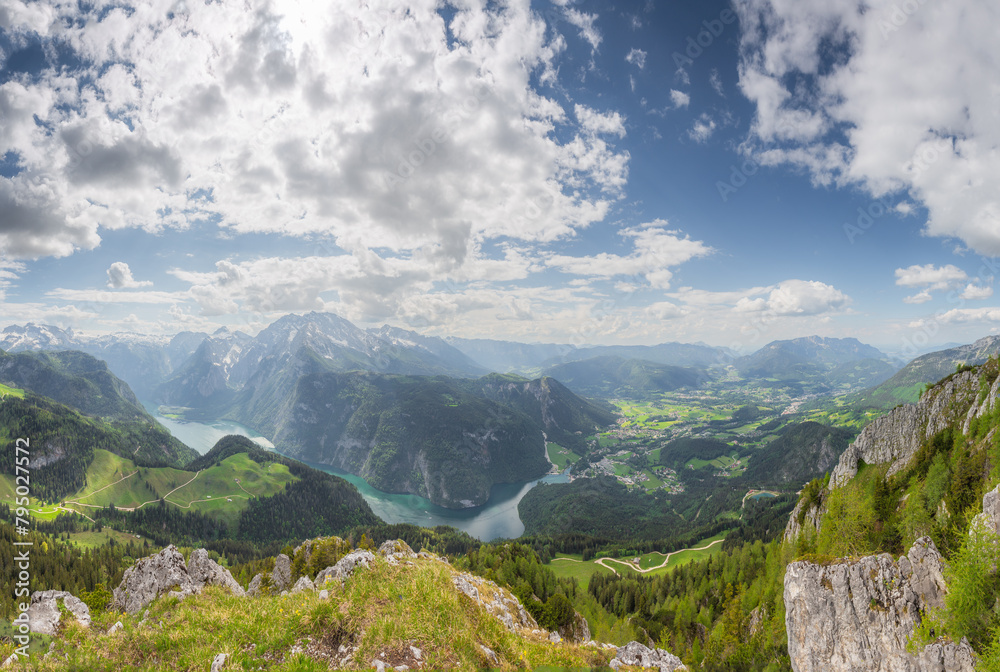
(637, 655)
(152, 576)
(345, 567)
(44, 614)
(577, 630)
(858, 615)
(499, 602)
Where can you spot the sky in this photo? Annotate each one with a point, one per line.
(551, 171)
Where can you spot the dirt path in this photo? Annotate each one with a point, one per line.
(666, 558)
(107, 486)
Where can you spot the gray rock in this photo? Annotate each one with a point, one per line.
(577, 630)
(637, 655)
(304, 583)
(397, 548)
(11, 659)
(204, 571)
(490, 654)
(281, 576)
(43, 610)
(895, 438)
(117, 627)
(324, 594)
(417, 653)
(345, 566)
(144, 581)
(810, 520)
(254, 588)
(378, 665)
(555, 638)
(219, 661)
(496, 600)
(859, 615)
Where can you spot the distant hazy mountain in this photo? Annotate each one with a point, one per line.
(615, 376)
(907, 384)
(446, 439)
(140, 360)
(818, 364)
(506, 356)
(230, 366)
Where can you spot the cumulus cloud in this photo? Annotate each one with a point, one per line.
(930, 278)
(679, 98)
(120, 277)
(637, 57)
(585, 22)
(398, 123)
(703, 128)
(974, 292)
(901, 111)
(796, 298)
(656, 249)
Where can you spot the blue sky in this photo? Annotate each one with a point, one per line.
(562, 171)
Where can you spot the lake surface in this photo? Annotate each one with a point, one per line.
(496, 518)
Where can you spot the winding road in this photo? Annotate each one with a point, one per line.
(666, 558)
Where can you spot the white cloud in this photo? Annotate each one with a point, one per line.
(796, 298)
(976, 292)
(637, 57)
(716, 82)
(931, 276)
(611, 123)
(359, 122)
(679, 98)
(703, 128)
(922, 296)
(585, 22)
(120, 277)
(963, 315)
(657, 249)
(903, 109)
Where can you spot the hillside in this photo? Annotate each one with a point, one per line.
(921, 483)
(905, 386)
(445, 439)
(801, 452)
(611, 376)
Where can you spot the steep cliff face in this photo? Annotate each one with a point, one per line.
(896, 437)
(858, 615)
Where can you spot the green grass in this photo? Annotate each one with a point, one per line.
(561, 457)
(12, 391)
(383, 611)
(572, 567)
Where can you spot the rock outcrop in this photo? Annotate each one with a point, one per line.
(896, 437)
(281, 575)
(810, 519)
(152, 576)
(637, 655)
(577, 630)
(345, 567)
(858, 615)
(44, 614)
(499, 602)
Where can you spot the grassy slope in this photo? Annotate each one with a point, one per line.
(112, 479)
(12, 391)
(383, 611)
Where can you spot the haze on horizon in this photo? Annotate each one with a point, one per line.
(532, 171)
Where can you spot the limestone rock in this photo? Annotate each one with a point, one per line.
(304, 583)
(637, 655)
(397, 548)
(858, 615)
(810, 520)
(577, 630)
(203, 571)
(281, 576)
(499, 602)
(144, 581)
(117, 627)
(43, 610)
(345, 566)
(254, 587)
(895, 438)
(219, 661)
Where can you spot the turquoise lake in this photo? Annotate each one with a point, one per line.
(496, 518)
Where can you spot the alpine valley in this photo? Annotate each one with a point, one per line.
(816, 500)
